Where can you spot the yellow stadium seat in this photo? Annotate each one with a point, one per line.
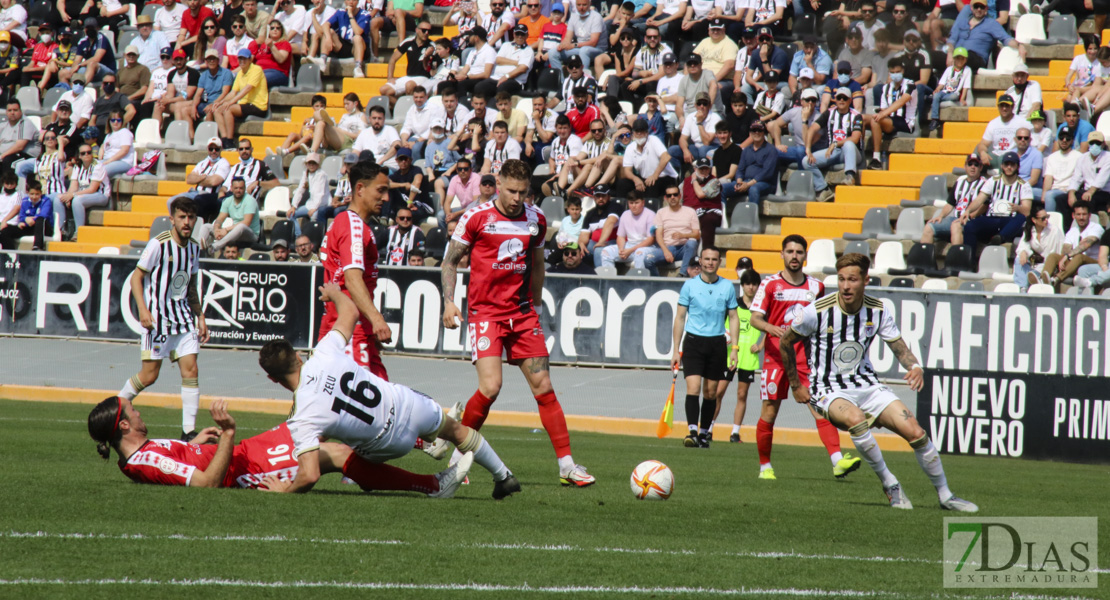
(772, 243)
(931, 163)
(873, 196)
(981, 114)
(280, 128)
(172, 188)
(1058, 68)
(366, 87)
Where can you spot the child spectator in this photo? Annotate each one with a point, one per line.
(571, 224)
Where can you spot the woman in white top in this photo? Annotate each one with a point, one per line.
(88, 186)
(1081, 73)
(50, 167)
(117, 153)
(1039, 240)
(340, 136)
(13, 18)
(312, 193)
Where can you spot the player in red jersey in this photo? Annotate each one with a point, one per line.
(116, 425)
(351, 261)
(505, 239)
(778, 300)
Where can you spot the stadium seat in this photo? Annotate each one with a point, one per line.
(1030, 27)
(403, 106)
(805, 24)
(1103, 126)
(993, 264)
(970, 286)
(1041, 289)
(910, 226)
(331, 167)
(1057, 220)
(134, 251)
(960, 258)
(125, 38)
(314, 231)
(831, 282)
(146, 134)
(876, 222)
(606, 271)
(49, 99)
(435, 242)
(282, 230)
(935, 284)
(799, 188)
(744, 219)
(150, 9)
(273, 162)
(887, 257)
(259, 256)
(858, 247)
(552, 208)
(1008, 58)
(1007, 288)
(874, 281)
(686, 49)
(901, 282)
(935, 187)
(653, 203)
(266, 117)
(637, 272)
(177, 136)
(161, 224)
(39, 11)
(308, 80)
(205, 131)
(28, 97)
(296, 170)
(381, 101)
(549, 80)
(821, 258)
(1062, 29)
(109, 251)
(922, 257)
(276, 202)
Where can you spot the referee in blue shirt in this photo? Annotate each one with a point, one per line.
(703, 304)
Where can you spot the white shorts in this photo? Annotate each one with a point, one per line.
(871, 400)
(157, 346)
(418, 416)
(402, 83)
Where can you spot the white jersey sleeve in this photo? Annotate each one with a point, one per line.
(152, 255)
(888, 328)
(805, 323)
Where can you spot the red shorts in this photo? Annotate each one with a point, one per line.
(518, 338)
(269, 453)
(773, 383)
(362, 347)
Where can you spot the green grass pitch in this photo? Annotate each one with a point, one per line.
(74, 526)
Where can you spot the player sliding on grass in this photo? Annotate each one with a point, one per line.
(779, 298)
(505, 239)
(334, 397)
(164, 286)
(116, 425)
(844, 387)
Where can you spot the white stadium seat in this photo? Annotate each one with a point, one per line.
(1041, 289)
(935, 284)
(822, 253)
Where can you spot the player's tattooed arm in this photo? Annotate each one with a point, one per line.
(790, 365)
(449, 273)
(193, 297)
(915, 375)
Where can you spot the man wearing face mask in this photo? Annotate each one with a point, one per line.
(1092, 175)
(646, 165)
(111, 99)
(41, 56)
(80, 101)
(843, 80)
(899, 104)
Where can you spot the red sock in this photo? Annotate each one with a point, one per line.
(551, 415)
(764, 432)
(477, 409)
(829, 435)
(375, 476)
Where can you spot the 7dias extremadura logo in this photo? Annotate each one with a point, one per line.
(1021, 552)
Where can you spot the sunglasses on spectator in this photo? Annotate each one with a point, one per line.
(85, 152)
(247, 149)
(214, 148)
(489, 184)
(50, 137)
(209, 26)
(1022, 137)
(597, 130)
(400, 218)
(464, 168)
(115, 120)
(425, 30)
(670, 195)
(898, 12)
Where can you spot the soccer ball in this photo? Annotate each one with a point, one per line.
(652, 480)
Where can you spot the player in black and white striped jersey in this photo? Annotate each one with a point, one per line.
(844, 387)
(164, 286)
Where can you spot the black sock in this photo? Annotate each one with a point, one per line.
(708, 407)
(692, 408)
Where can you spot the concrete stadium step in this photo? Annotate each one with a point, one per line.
(896, 177)
(111, 236)
(1051, 101)
(964, 131)
(832, 210)
(1050, 83)
(366, 87)
(117, 218)
(260, 143)
(149, 204)
(1059, 68)
(281, 128)
(981, 114)
(83, 248)
(172, 188)
(873, 196)
(818, 228)
(945, 146)
(932, 163)
(765, 262)
(767, 242)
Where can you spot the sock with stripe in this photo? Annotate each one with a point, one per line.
(484, 454)
(764, 433)
(380, 476)
(869, 450)
(551, 415)
(476, 411)
(692, 410)
(830, 437)
(929, 459)
(190, 402)
(132, 388)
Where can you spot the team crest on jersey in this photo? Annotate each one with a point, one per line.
(533, 229)
(483, 343)
(772, 388)
(810, 296)
(869, 329)
(167, 465)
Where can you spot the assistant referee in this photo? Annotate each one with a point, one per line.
(703, 304)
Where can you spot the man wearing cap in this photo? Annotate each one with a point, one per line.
(979, 34)
(646, 70)
(183, 81)
(577, 77)
(572, 262)
(250, 97)
(311, 193)
(698, 134)
(417, 50)
(748, 47)
(479, 65)
(405, 189)
(666, 91)
(158, 88)
(999, 210)
(695, 84)
(804, 82)
(404, 236)
(767, 58)
(1092, 181)
(959, 197)
(582, 112)
(1059, 169)
(811, 57)
(65, 55)
(859, 59)
(834, 138)
(1025, 92)
(279, 250)
(133, 77)
(80, 100)
(703, 192)
(347, 32)
(954, 86)
(69, 139)
(11, 69)
(718, 54)
(42, 55)
(206, 178)
(94, 52)
(149, 43)
(583, 37)
(771, 102)
(111, 99)
(514, 62)
(998, 138)
(167, 19)
(213, 86)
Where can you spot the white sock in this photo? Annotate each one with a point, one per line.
(131, 388)
(693, 428)
(190, 403)
(735, 429)
(929, 459)
(835, 457)
(869, 450)
(763, 467)
(702, 431)
(877, 155)
(566, 464)
(489, 460)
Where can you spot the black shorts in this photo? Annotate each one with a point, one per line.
(250, 110)
(746, 376)
(704, 356)
(900, 124)
(346, 49)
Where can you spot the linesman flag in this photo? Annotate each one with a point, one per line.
(666, 420)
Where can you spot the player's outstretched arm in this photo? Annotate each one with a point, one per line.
(790, 365)
(345, 308)
(449, 274)
(915, 375)
(214, 475)
(760, 323)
